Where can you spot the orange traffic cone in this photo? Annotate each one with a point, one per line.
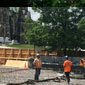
(25, 66)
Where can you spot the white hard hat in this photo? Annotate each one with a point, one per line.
(37, 54)
(66, 57)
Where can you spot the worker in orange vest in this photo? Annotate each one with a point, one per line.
(37, 63)
(82, 63)
(67, 69)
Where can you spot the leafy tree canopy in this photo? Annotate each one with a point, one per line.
(36, 33)
(58, 3)
(81, 27)
(57, 27)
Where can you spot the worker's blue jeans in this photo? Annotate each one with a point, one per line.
(37, 73)
(82, 69)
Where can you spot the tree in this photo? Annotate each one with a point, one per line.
(62, 22)
(59, 3)
(81, 28)
(37, 33)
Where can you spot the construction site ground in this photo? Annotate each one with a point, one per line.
(18, 76)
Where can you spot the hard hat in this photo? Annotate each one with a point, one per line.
(37, 55)
(81, 59)
(66, 57)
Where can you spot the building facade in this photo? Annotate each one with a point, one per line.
(12, 22)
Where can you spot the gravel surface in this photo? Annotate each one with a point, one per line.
(21, 77)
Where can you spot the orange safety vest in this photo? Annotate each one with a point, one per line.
(82, 62)
(37, 63)
(67, 65)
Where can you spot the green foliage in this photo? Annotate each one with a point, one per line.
(81, 27)
(57, 28)
(81, 24)
(63, 31)
(58, 3)
(37, 33)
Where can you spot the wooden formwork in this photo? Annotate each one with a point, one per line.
(6, 54)
(23, 53)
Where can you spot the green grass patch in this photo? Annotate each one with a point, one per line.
(25, 46)
(21, 46)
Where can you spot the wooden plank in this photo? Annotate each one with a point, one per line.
(10, 58)
(19, 53)
(30, 52)
(17, 63)
(4, 52)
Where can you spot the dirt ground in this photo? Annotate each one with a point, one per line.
(22, 77)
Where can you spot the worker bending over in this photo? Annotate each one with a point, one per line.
(37, 63)
(67, 69)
